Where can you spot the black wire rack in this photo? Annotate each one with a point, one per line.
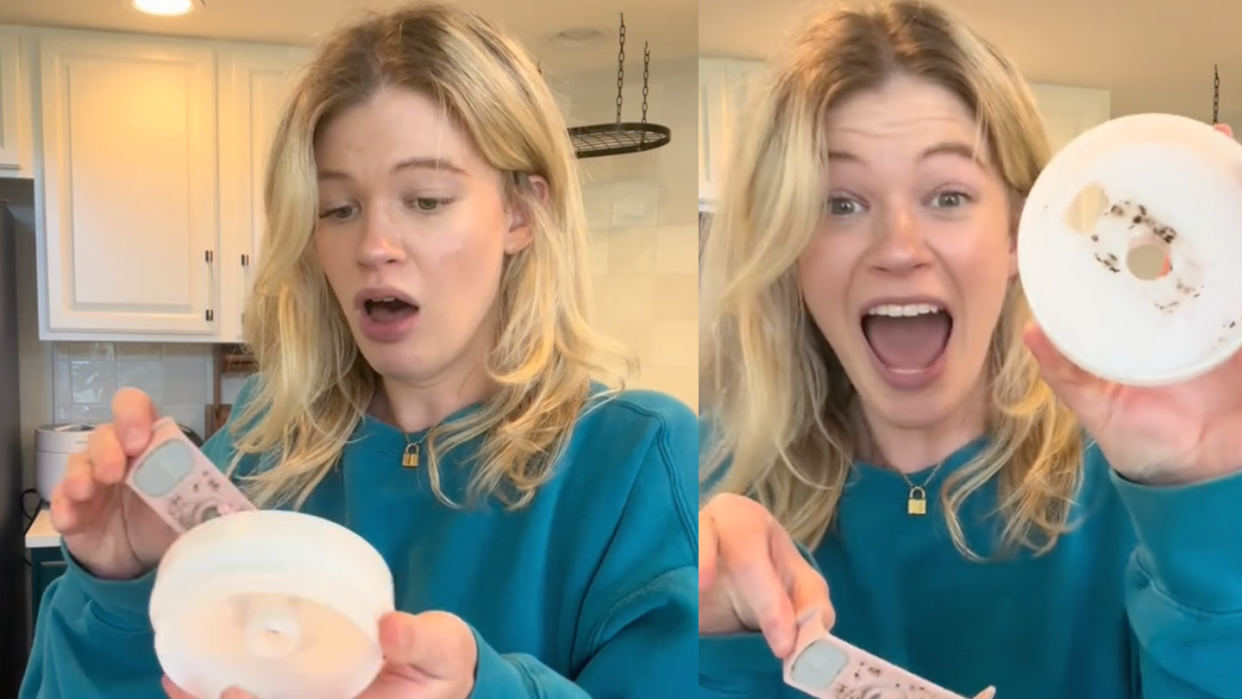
(622, 137)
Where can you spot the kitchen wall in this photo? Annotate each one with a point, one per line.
(642, 210)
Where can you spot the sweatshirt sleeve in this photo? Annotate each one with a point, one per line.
(93, 638)
(639, 621)
(1183, 587)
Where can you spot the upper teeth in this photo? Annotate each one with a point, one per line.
(907, 309)
(385, 299)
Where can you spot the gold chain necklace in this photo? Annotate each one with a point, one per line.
(916, 502)
(412, 456)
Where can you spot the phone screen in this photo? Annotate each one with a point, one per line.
(165, 467)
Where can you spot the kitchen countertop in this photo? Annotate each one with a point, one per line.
(41, 534)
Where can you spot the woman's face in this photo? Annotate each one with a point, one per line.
(907, 275)
(413, 228)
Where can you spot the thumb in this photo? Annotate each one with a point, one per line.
(437, 644)
(987, 693)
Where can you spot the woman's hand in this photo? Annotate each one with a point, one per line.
(1168, 435)
(106, 527)
(430, 656)
(751, 576)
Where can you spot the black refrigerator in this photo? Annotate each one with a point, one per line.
(13, 571)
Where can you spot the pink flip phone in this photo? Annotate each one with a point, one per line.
(181, 484)
(826, 667)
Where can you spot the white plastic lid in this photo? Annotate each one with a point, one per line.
(1107, 211)
(280, 604)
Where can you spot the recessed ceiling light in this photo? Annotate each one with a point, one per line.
(166, 8)
(577, 38)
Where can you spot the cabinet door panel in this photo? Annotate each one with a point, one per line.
(129, 147)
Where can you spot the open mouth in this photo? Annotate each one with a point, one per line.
(907, 337)
(387, 309)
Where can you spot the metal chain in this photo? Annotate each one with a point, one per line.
(1216, 95)
(646, 75)
(621, 68)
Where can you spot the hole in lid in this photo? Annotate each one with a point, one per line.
(1149, 259)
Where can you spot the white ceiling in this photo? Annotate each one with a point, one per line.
(1155, 55)
(669, 25)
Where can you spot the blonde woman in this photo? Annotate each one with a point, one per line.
(425, 379)
(873, 394)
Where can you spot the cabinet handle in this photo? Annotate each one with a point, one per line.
(245, 262)
(209, 257)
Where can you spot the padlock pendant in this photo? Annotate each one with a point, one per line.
(917, 504)
(410, 458)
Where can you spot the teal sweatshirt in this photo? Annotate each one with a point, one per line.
(589, 591)
(1143, 600)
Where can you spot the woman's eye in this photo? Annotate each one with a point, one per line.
(950, 200)
(842, 206)
(429, 204)
(339, 213)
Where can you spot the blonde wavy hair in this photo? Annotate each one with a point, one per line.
(778, 399)
(313, 386)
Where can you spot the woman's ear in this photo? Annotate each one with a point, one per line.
(521, 232)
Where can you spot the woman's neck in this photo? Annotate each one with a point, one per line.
(911, 449)
(413, 404)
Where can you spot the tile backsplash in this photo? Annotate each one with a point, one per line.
(85, 376)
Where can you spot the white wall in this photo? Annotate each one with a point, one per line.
(643, 210)
(644, 261)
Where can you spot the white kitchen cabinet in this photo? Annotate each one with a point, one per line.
(16, 152)
(153, 157)
(255, 82)
(1070, 111)
(1067, 112)
(130, 237)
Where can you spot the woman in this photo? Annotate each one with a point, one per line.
(424, 378)
(869, 223)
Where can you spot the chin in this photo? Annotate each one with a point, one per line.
(926, 409)
(396, 362)
(930, 403)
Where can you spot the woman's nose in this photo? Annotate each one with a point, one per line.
(381, 241)
(899, 244)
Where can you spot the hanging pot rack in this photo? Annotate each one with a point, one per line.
(622, 137)
(1215, 95)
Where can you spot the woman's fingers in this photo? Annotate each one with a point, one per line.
(76, 499)
(708, 551)
(808, 591)
(107, 458)
(133, 414)
(742, 533)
